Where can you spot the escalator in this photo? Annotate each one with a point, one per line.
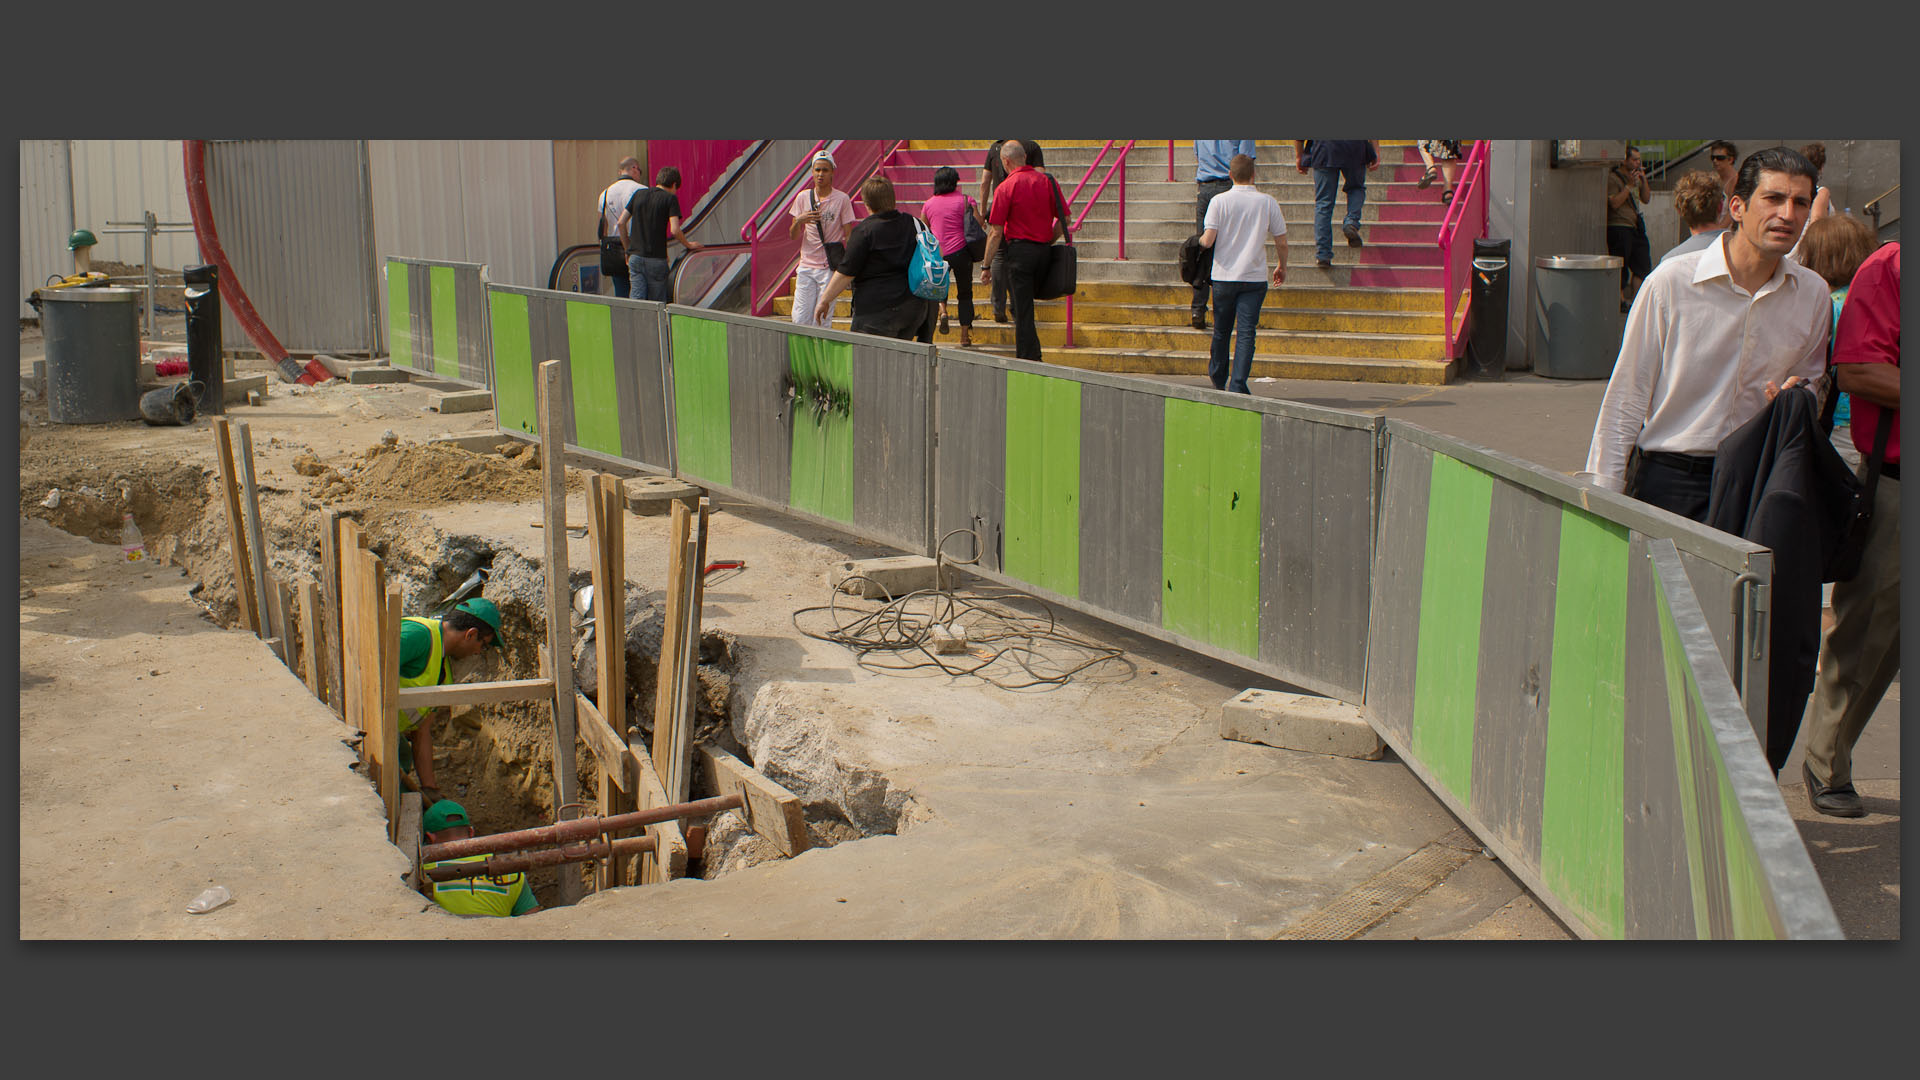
(714, 221)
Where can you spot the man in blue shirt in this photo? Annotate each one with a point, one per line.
(1210, 177)
(1331, 160)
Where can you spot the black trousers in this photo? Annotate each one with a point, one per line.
(1678, 483)
(1630, 243)
(911, 319)
(963, 284)
(1208, 189)
(1026, 261)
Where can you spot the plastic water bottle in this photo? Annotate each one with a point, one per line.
(132, 544)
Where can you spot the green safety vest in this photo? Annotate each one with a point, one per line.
(431, 675)
(498, 896)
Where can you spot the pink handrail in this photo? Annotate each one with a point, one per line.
(1456, 238)
(1120, 164)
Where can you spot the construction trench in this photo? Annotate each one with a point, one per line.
(1107, 807)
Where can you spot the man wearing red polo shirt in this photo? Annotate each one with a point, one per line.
(1861, 655)
(1024, 218)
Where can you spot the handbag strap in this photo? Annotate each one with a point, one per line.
(1060, 207)
(1882, 428)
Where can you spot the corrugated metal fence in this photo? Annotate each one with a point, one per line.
(1550, 659)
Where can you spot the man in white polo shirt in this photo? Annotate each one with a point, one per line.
(1238, 222)
(1713, 336)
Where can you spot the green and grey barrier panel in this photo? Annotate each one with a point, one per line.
(437, 320)
(1237, 527)
(615, 394)
(1516, 666)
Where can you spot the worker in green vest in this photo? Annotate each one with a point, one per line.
(426, 647)
(509, 894)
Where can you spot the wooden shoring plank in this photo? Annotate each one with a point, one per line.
(310, 638)
(772, 811)
(668, 859)
(608, 748)
(256, 541)
(389, 695)
(475, 693)
(677, 772)
(610, 600)
(236, 526)
(411, 809)
(275, 633)
(330, 612)
(364, 578)
(350, 542)
(680, 555)
(283, 619)
(553, 465)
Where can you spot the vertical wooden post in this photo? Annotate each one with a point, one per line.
(236, 526)
(666, 711)
(346, 549)
(310, 638)
(673, 754)
(389, 775)
(256, 544)
(330, 612)
(364, 580)
(553, 462)
(606, 529)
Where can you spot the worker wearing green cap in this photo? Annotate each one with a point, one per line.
(508, 894)
(426, 645)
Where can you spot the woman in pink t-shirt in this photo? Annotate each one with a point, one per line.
(946, 213)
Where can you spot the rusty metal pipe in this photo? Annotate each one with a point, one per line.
(581, 829)
(509, 864)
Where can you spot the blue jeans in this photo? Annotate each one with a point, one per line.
(1324, 182)
(1236, 311)
(649, 277)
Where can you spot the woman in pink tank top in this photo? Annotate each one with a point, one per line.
(946, 213)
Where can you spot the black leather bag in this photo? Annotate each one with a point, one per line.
(613, 255)
(1063, 265)
(835, 250)
(975, 235)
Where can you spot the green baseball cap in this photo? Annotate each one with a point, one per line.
(443, 815)
(482, 608)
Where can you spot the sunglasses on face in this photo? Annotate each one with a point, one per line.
(1721, 157)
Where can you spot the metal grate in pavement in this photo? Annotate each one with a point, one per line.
(1366, 905)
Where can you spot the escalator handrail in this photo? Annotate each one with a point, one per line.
(783, 189)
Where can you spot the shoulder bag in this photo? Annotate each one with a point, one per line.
(1063, 266)
(975, 235)
(835, 250)
(613, 256)
(1845, 562)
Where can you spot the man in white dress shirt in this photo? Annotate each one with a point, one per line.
(1713, 336)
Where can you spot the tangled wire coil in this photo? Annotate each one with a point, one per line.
(997, 636)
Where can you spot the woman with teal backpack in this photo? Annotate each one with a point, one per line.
(1834, 247)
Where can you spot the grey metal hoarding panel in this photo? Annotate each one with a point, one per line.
(1654, 839)
(1120, 487)
(1316, 508)
(420, 316)
(1516, 666)
(762, 410)
(473, 332)
(892, 441)
(547, 327)
(470, 312)
(970, 458)
(636, 377)
(1393, 634)
(1797, 901)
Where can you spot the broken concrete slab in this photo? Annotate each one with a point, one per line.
(345, 368)
(364, 375)
(652, 495)
(1315, 725)
(484, 442)
(460, 401)
(238, 389)
(886, 578)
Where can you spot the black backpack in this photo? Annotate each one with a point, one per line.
(1196, 262)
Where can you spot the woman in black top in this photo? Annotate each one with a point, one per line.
(875, 264)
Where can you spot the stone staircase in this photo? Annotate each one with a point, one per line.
(1376, 316)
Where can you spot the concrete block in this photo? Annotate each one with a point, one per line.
(1316, 725)
(460, 401)
(40, 376)
(238, 389)
(485, 442)
(361, 376)
(149, 371)
(345, 368)
(891, 577)
(652, 495)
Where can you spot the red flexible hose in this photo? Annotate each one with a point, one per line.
(195, 151)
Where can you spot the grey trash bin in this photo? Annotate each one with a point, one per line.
(1576, 315)
(93, 354)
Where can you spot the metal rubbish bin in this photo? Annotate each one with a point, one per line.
(1486, 355)
(93, 354)
(205, 364)
(1576, 315)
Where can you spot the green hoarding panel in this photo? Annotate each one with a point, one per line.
(596, 398)
(703, 414)
(1446, 672)
(399, 320)
(446, 322)
(515, 405)
(822, 464)
(1583, 813)
(1210, 525)
(1043, 481)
